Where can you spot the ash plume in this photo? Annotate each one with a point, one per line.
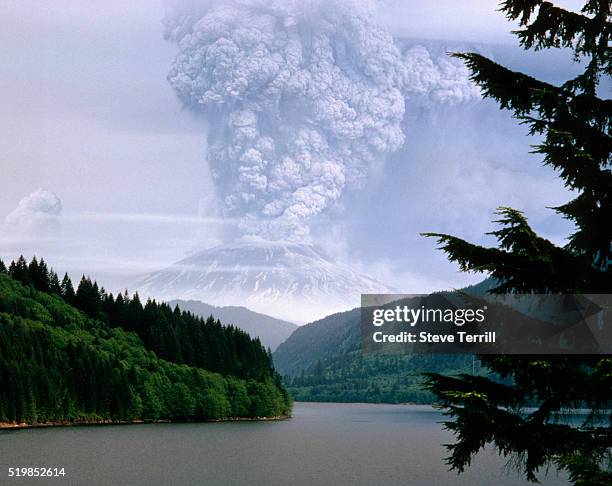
(303, 97)
(436, 80)
(37, 213)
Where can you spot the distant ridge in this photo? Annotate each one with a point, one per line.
(271, 331)
(334, 336)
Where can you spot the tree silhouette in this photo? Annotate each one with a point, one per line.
(574, 123)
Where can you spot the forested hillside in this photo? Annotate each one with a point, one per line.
(322, 361)
(84, 355)
(375, 378)
(318, 341)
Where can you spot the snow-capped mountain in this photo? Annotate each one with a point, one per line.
(297, 282)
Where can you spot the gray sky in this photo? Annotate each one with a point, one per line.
(87, 114)
(472, 20)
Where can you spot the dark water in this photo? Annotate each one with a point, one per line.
(338, 444)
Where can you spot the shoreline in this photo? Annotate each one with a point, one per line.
(102, 422)
(366, 403)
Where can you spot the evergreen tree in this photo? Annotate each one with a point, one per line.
(19, 270)
(88, 297)
(68, 290)
(133, 314)
(39, 275)
(3, 268)
(55, 287)
(575, 125)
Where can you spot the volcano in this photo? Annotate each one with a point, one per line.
(297, 282)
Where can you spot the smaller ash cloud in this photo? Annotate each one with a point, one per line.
(37, 213)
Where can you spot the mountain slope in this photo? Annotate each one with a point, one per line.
(59, 365)
(322, 361)
(333, 336)
(294, 281)
(269, 330)
(321, 340)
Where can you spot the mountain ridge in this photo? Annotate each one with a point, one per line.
(333, 336)
(271, 331)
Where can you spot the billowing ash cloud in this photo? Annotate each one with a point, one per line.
(434, 80)
(302, 97)
(36, 213)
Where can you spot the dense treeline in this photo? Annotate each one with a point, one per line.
(59, 364)
(375, 378)
(173, 335)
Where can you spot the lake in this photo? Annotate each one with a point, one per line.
(324, 443)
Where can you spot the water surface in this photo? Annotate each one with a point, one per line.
(339, 444)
